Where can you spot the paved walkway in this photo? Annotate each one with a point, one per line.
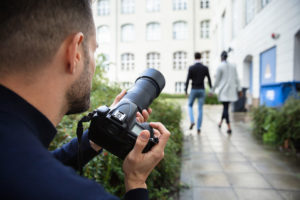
(217, 166)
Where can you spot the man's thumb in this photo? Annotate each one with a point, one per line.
(141, 142)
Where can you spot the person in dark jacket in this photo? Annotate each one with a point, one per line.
(46, 67)
(197, 74)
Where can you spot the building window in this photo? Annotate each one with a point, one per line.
(153, 60)
(153, 6)
(179, 87)
(204, 4)
(179, 4)
(126, 85)
(127, 61)
(250, 10)
(153, 31)
(180, 31)
(204, 29)
(128, 6)
(235, 18)
(127, 33)
(264, 3)
(205, 58)
(179, 60)
(103, 7)
(103, 35)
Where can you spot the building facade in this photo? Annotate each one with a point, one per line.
(162, 34)
(263, 37)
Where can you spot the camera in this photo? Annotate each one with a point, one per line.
(116, 129)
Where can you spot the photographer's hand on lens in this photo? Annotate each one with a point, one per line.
(144, 116)
(137, 165)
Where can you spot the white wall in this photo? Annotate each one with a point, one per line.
(279, 16)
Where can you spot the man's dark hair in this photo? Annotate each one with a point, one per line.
(32, 30)
(197, 55)
(224, 55)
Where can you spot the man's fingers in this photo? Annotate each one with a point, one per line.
(145, 115)
(141, 142)
(139, 117)
(165, 134)
(156, 133)
(119, 97)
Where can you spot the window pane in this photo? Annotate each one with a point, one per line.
(153, 31)
(179, 60)
(250, 10)
(128, 6)
(153, 60)
(180, 31)
(153, 5)
(179, 87)
(127, 61)
(127, 33)
(204, 29)
(103, 7)
(179, 4)
(205, 58)
(103, 34)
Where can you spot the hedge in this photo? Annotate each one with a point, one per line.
(278, 125)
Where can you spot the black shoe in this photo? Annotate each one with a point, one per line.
(198, 131)
(192, 125)
(229, 131)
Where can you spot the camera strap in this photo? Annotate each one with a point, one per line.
(79, 133)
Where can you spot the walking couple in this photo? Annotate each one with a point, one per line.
(226, 83)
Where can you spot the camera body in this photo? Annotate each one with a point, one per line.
(116, 129)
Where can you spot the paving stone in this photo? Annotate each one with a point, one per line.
(283, 181)
(251, 194)
(248, 180)
(214, 179)
(213, 194)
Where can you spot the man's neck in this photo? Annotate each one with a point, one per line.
(40, 94)
(197, 61)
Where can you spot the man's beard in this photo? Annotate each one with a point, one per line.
(78, 95)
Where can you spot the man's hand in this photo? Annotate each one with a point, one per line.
(240, 94)
(139, 117)
(137, 165)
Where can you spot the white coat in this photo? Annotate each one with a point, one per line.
(227, 82)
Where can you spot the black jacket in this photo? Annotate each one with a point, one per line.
(197, 73)
(29, 171)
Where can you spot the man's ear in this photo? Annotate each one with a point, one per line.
(74, 55)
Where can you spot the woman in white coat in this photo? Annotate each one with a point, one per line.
(227, 85)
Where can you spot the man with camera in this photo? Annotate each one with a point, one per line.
(46, 67)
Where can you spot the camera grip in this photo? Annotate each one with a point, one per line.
(152, 140)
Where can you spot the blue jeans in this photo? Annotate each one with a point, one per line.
(200, 94)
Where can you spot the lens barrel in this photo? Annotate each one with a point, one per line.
(147, 87)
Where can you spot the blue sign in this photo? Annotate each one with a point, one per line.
(268, 66)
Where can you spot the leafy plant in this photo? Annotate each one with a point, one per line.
(274, 126)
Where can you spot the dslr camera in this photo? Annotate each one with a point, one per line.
(116, 129)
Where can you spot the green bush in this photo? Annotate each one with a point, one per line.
(274, 126)
(213, 99)
(106, 169)
(208, 99)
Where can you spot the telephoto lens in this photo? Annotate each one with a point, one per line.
(147, 87)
